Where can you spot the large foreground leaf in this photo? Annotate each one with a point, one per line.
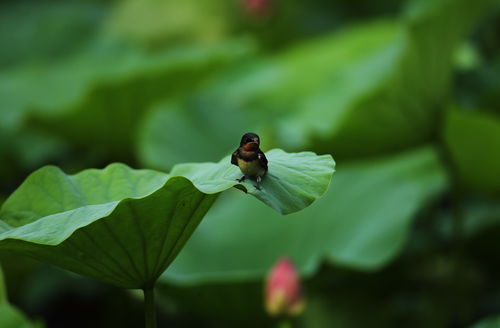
(125, 226)
(362, 222)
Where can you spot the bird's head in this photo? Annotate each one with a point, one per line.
(250, 141)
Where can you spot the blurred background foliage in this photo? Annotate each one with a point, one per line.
(404, 95)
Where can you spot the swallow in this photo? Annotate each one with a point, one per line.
(250, 159)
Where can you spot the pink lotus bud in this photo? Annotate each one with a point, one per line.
(283, 291)
(257, 7)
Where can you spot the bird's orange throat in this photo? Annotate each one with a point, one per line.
(250, 146)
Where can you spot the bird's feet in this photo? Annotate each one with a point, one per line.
(257, 186)
(258, 180)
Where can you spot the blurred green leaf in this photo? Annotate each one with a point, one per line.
(491, 322)
(303, 88)
(467, 57)
(284, 95)
(388, 197)
(13, 318)
(46, 31)
(174, 133)
(125, 226)
(108, 85)
(64, 73)
(410, 78)
(10, 317)
(158, 21)
(309, 87)
(3, 290)
(473, 139)
(362, 222)
(481, 215)
(31, 148)
(336, 92)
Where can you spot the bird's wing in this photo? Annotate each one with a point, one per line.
(234, 159)
(263, 159)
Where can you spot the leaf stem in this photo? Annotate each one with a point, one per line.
(149, 307)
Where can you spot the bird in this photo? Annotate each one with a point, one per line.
(250, 159)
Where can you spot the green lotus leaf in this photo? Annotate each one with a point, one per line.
(356, 224)
(125, 226)
(294, 180)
